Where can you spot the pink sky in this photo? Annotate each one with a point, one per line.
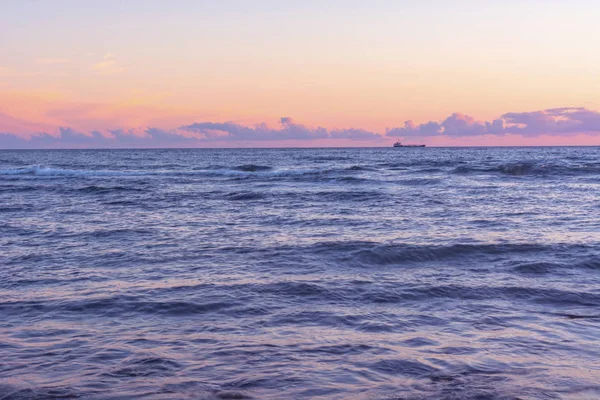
(348, 73)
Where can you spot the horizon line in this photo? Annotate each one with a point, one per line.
(295, 148)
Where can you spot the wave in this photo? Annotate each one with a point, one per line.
(389, 254)
(419, 181)
(590, 263)
(18, 188)
(537, 268)
(238, 171)
(91, 189)
(342, 173)
(117, 306)
(360, 168)
(366, 254)
(252, 168)
(29, 392)
(244, 196)
(402, 367)
(351, 179)
(346, 195)
(425, 163)
(145, 367)
(393, 294)
(154, 368)
(330, 158)
(508, 169)
(39, 170)
(460, 292)
(413, 252)
(107, 189)
(274, 294)
(529, 168)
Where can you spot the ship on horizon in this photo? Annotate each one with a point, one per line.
(399, 144)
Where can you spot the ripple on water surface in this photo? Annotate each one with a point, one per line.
(300, 273)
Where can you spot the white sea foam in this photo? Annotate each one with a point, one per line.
(45, 171)
(19, 171)
(38, 170)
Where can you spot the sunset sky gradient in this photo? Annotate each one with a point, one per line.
(264, 73)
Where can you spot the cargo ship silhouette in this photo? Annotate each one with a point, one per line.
(398, 144)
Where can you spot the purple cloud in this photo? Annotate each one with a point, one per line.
(10, 141)
(69, 138)
(194, 135)
(66, 137)
(555, 121)
(289, 130)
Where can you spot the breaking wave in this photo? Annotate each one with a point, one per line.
(530, 168)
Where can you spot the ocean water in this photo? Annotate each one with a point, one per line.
(435, 273)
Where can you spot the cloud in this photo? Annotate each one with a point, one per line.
(108, 66)
(555, 121)
(52, 61)
(289, 130)
(70, 138)
(567, 122)
(10, 141)
(194, 135)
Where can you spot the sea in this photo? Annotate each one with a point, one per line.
(347, 273)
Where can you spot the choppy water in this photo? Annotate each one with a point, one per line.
(291, 274)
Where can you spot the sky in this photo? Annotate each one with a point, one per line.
(271, 73)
